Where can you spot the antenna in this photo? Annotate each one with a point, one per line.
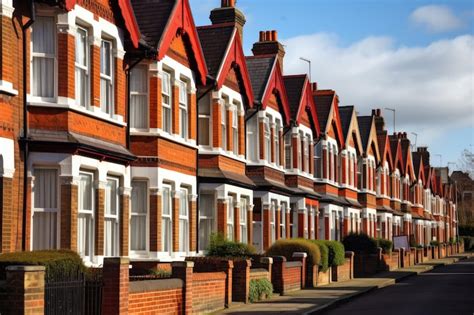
(309, 67)
(394, 112)
(416, 138)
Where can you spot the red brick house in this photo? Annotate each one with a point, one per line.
(299, 155)
(225, 192)
(164, 130)
(350, 155)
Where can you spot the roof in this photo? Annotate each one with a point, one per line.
(345, 114)
(214, 41)
(294, 88)
(323, 105)
(365, 124)
(260, 68)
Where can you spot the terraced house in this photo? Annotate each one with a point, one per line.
(125, 130)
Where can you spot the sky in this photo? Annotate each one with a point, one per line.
(411, 55)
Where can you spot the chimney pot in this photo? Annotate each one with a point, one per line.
(274, 35)
(231, 3)
(268, 36)
(379, 112)
(314, 86)
(374, 113)
(262, 36)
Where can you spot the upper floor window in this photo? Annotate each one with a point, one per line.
(106, 77)
(204, 121)
(224, 124)
(306, 153)
(166, 101)
(318, 167)
(82, 68)
(139, 97)
(235, 132)
(183, 109)
(268, 148)
(252, 138)
(43, 53)
(276, 140)
(288, 151)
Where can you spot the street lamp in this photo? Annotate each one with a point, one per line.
(392, 110)
(309, 67)
(416, 138)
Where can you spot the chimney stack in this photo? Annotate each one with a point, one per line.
(228, 13)
(314, 86)
(268, 45)
(379, 121)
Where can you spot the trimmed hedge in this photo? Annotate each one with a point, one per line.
(360, 243)
(434, 243)
(287, 247)
(337, 254)
(219, 246)
(56, 262)
(258, 288)
(386, 245)
(324, 251)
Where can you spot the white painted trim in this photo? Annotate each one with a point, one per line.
(7, 157)
(7, 87)
(6, 8)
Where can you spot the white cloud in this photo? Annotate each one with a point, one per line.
(431, 86)
(436, 18)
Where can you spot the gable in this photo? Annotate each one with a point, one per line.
(307, 110)
(178, 52)
(275, 86)
(333, 127)
(387, 154)
(372, 143)
(409, 166)
(353, 135)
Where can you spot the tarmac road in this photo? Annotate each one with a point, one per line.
(444, 290)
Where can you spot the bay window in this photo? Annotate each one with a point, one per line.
(138, 220)
(300, 149)
(283, 220)
(252, 139)
(273, 206)
(43, 61)
(230, 218)
(45, 209)
(139, 97)
(206, 218)
(106, 77)
(183, 109)
(268, 149)
(85, 215)
(307, 141)
(224, 125)
(204, 120)
(235, 131)
(276, 140)
(82, 67)
(243, 220)
(111, 217)
(166, 217)
(318, 160)
(166, 102)
(288, 151)
(183, 220)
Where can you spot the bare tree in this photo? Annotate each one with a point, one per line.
(466, 162)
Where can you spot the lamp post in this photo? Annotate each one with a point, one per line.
(394, 112)
(309, 67)
(416, 138)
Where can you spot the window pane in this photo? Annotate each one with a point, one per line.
(111, 237)
(183, 203)
(166, 201)
(43, 77)
(183, 93)
(81, 46)
(183, 235)
(85, 192)
(165, 83)
(166, 234)
(138, 111)
(139, 197)
(105, 58)
(44, 230)
(45, 188)
(204, 126)
(138, 232)
(111, 197)
(183, 114)
(43, 35)
(84, 234)
(139, 80)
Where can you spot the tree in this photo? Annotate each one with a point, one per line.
(466, 162)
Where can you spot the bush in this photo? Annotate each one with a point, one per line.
(324, 251)
(386, 245)
(56, 262)
(468, 242)
(219, 246)
(360, 243)
(337, 254)
(287, 247)
(434, 243)
(258, 288)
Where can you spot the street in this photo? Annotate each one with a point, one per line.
(444, 290)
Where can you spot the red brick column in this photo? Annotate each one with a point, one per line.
(261, 142)
(278, 222)
(66, 83)
(250, 224)
(222, 216)
(155, 220)
(99, 217)
(241, 123)
(241, 280)
(272, 143)
(311, 157)
(184, 270)
(95, 73)
(346, 225)
(278, 273)
(175, 220)
(155, 100)
(325, 163)
(6, 214)
(216, 123)
(192, 123)
(327, 232)
(301, 222)
(300, 256)
(229, 130)
(365, 226)
(294, 146)
(116, 284)
(267, 239)
(192, 222)
(282, 147)
(69, 195)
(25, 290)
(124, 219)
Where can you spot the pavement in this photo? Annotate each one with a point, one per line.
(324, 298)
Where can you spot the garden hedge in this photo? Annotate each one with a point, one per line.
(287, 247)
(324, 251)
(337, 254)
(386, 245)
(360, 243)
(219, 246)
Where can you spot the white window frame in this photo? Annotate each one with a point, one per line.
(183, 109)
(166, 108)
(252, 150)
(243, 219)
(204, 121)
(306, 142)
(224, 107)
(115, 218)
(276, 141)
(83, 69)
(167, 240)
(283, 210)
(49, 56)
(108, 108)
(144, 94)
(230, 218)
(267, 139)
(273, 205)
(139, 214)
(235, 131)
(56, 210)
(88, 214)
(211, 218)
(184, 218)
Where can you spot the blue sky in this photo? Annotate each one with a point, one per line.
(416, 56)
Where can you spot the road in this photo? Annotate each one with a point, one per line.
(444, 290)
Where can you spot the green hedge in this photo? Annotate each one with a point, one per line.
(360, 243)
(287, 247)
(258, 288)
(56, 262)
(337, 253)
(386, 245)
(434, 243)
(324, 251)
(219, 246)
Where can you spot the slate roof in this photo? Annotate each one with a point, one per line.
(323, 107)
(382, 142)
(365, 122)
(152, 17)
(416, 162)
(214, 43)
(259, 68)
(294, 85)
(393, 148)
(345, 114)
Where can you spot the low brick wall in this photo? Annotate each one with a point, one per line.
(208, 291)
(366, 264)
(260, 273)
(292, 280)
(428, 253)
(435, 252)
(241, 280)
(324, 278)
(394, 260)
(419, 255)
(139, 265)
(286, 275)
(166, 295)
(412, 256)
(343, 272)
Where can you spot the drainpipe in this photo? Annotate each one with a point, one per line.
(24, 138)
(198, 182)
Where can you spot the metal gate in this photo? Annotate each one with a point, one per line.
(73, 293)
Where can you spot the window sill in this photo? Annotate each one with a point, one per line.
(7, 88)
(220, 151)
(266, 163)
(299, 173)
(156, 132)
(70, 105)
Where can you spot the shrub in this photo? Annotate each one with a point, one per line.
(219, 246)
(56, 262)
(258, 288)
(360, 243)
(287, 247)
(386, 245)
(468, 242)
(324, 251)
(337, 254)
(434, 243)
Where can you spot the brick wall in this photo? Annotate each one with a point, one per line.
(146, 297)
(208, 291)
(286, 275)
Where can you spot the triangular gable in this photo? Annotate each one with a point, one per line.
(276, 86)
(421, 172)
(398, 162)
(427, 177)
(181, 22)
(127, 14)
(334, 122)
(386, 155)
(354, 133)
(409, 165)
(372, 143)
(308, 106)
(235, 59)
